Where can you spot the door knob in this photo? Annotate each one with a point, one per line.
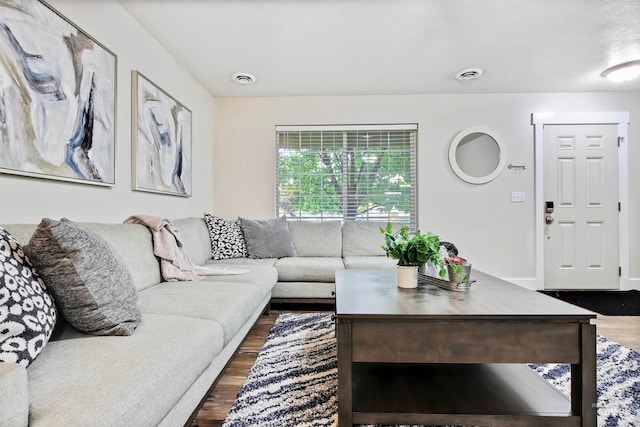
(548, 219)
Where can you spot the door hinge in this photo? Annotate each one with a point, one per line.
(620, 271)
(620, 140)
(619, 206)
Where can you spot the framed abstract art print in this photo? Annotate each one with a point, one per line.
(161, 138)
(57, 97)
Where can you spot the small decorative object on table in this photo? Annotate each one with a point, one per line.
(412, 250)
(457, 277)
(458, 269)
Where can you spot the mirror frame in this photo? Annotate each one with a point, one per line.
(475, 179)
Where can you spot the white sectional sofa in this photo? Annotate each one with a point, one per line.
(189, 330)
(322, 248)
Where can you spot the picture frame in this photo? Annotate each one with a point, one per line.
(57, 97)
(161, 140)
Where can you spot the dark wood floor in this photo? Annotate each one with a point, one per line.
(215, 409)
(622, 329)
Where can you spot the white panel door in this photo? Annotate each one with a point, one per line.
(581, 180)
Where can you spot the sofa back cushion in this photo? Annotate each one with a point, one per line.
(21, 232)
(361, 238)
(195, 237)
(134, 245)
(316, 239)
(132, 241)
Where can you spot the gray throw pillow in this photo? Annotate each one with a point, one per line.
(267, 238)
(90, 283)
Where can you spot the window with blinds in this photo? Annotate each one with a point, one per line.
(348, 173)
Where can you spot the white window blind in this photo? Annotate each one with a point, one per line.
(347, 173)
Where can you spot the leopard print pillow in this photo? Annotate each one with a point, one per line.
(27, 311)
(227, 240)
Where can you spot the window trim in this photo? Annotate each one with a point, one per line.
(302, 128)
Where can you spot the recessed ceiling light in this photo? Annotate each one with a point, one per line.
(623, 72)
(469, 74)
(244, 78)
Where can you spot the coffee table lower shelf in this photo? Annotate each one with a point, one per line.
(456, 394)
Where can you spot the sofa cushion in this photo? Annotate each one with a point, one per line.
(134, 244)
(308, 269)
(363, 238)
(263, 277)
(14, 395)
(299, 290)
(27, 311)
(21, 232)
(85, 380)
(267, 238)
(243, 261)
(367, 262)
(229, 304)
(195, 237)
(91, 285)
(315, 238)
(227, 240)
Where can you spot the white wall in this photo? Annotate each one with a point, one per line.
(29, 199)
(497, 235)
(236, 175)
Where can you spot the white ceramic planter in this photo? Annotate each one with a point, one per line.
(407, 277)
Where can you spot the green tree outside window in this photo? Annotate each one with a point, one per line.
(347, 174)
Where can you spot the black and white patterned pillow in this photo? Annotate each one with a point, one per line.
(226, 237)
(27, 311)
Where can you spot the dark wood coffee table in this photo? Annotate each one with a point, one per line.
(433, 356)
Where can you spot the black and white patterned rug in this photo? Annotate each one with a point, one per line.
(294, 380)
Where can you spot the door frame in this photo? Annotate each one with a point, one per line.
(620, 118)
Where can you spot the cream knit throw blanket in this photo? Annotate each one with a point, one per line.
(175, 263)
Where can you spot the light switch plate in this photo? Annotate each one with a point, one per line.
(517, 196)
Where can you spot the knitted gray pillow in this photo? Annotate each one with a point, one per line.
(90, 283)
(267, 238)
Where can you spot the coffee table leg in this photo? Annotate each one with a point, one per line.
(583, 378)
(345, 415)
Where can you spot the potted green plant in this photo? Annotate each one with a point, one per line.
(412, 250)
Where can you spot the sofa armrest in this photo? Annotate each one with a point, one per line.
(14, 398)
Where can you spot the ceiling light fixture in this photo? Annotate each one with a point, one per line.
(623, 72)
(469, 74)
(244, 78)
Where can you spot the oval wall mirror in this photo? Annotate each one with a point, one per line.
(477, 155)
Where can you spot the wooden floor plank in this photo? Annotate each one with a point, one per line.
(221, 398)
(622, 329)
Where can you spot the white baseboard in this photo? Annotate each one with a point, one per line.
(634, 283)
(532, 283)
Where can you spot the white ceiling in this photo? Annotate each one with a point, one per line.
(364, 47)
